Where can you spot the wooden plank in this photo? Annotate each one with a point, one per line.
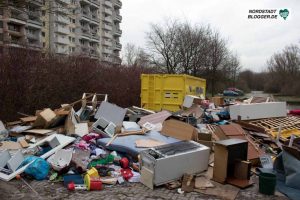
(28, 119)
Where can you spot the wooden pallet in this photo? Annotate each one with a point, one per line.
(273, 124)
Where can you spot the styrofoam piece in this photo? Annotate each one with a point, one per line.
(258, 110)
(189, 100)
(81, 129)
(63, 141)
(61, 159)
(131, 126)
(15, 161)
(111, 113)
(4, 157)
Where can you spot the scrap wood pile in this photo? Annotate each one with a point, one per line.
(210, 147)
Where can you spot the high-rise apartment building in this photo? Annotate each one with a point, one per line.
(68, 27)
(83, 27)
(20, 23)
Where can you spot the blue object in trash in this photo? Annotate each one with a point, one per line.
(38, 169)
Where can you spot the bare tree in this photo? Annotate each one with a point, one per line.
(162, 42)
(192, 49)
(135, 56)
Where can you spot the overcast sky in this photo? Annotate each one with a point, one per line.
(254, 40)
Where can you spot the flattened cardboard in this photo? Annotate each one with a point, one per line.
(10, 145)
(178, 130)
(148, 143)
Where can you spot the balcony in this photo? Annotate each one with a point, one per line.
(107, 51)
(35, 14)
(108, 19)
(62, 19)
(117, 4)
(97, 2)
(65, 1)
(19, 18)
(35, 23)
(15, 32)
(61, 50)
(60, 9)
(62, 40)
(85, 32)
(118, 46)
(63, 30)
(85, 49)
(107, 27)
(106, 59)
(107, 43)
(118, 32)
(108, 4)
(37, 2)
(86, 14)
(118, 18)
(95, 18)
(107, 11)
(107, 35)
(33, 36)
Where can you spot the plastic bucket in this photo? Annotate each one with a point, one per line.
(267, 183)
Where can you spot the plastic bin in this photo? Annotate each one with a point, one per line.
(267, 183)
(167, 91)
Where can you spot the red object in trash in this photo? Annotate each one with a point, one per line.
(72, 186)
(124, 162)
(126, 173)
(95, 184)
(295, 112)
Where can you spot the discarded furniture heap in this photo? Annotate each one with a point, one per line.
(208, 146)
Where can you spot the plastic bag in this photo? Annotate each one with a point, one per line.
(38, 169)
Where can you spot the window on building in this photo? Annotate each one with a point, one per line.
(1, 36)
(44, 44)
(43, 34)
(44, 24)
(43, 12)
(1, 24)
(74, 21)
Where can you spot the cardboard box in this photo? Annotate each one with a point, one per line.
(179, 130)
(218, 101)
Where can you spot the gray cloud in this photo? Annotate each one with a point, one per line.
(254, 40)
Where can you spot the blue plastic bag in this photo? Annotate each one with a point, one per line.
(39, 169)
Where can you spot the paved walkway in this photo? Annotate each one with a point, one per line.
(16, 189)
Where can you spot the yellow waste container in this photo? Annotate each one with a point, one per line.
(167, 91)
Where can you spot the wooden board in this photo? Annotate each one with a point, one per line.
(148, 143)
(28, 119)
(39, 131)
(226, 192)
